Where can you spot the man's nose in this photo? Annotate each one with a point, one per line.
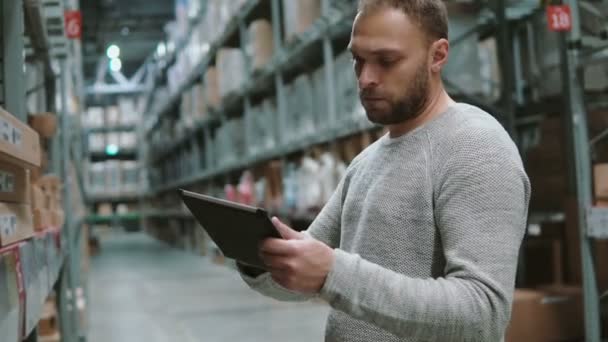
(368, 77)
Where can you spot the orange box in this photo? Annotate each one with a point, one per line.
(57, 218)
(42, 219)
(38, 198)
(44, 123)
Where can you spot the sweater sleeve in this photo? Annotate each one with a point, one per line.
(481, 202)
(325, 227)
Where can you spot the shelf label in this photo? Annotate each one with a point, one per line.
(10, 133)
(559, 18)
(8, 224)
(7, 182)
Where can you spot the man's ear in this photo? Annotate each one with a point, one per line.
(440, 50)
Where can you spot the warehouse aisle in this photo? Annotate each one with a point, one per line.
(142, 290)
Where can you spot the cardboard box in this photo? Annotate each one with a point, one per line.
(600, 181)
(308, 12)
(42, 219)
(549, 314)
(18, 142)
(44, 123)
(262, 42)
(16, 223)
(38, 200)
(14, 183)
(57, 218)
(212, 87)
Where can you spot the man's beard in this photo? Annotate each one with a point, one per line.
(408, 106)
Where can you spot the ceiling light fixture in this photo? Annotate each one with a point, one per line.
(115, 64)
(113, 51)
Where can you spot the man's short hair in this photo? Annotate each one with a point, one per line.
(430, 15)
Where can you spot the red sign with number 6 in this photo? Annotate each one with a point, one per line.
(73, 24)
(559, 18)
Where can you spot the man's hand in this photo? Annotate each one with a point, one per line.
(298, 263)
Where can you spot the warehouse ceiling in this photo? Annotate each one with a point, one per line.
(136, 26)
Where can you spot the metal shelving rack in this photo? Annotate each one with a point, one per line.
(46, 44)
(505, 20)
(113, 198)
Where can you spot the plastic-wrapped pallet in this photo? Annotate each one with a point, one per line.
(346, 87)
(320, 98)
(128, 113)
(231, 70)
(112, 116)
(268, 123)
(254, 133)
(128, 140)
(260, 49)
(113, 176)
(97, 142)
(129, 175)
(199, 106)
(113, 139)
(97, 179)
(94, 117)
(212, 87)
(289, 129)
(463, 66)
(304, 106)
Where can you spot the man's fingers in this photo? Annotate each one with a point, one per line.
(286, 232)
(277, 247)
(273, 262)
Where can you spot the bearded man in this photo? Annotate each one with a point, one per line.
(421, 238)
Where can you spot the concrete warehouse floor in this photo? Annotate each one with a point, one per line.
(143, 290)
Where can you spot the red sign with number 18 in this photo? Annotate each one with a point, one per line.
(559, 18)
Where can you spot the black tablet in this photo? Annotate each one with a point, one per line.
(237, 229)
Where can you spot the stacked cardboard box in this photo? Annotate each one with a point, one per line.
(19, 153)
(298, 16)
(51, 212)
(552, 313)
(261, 49)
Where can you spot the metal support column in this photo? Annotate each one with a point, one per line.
(13, 58)
(330, 76)
(71, 277)
(573, 87)
(505, 58)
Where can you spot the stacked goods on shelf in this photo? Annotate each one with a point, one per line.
(230, 142)
(19, 154)
(193, 107)
(349, 107)
(48, 327)
(94, 118)
(51, 191)
(298, 16)
(548, 171)
(263, 120)
(549, 313)
(128, 111)
(230, 63)
(299, 121)
(261, 46)
(113, 177)
(212, 89)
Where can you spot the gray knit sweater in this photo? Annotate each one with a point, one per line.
(426, 229)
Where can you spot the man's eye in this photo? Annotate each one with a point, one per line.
(385, 63)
